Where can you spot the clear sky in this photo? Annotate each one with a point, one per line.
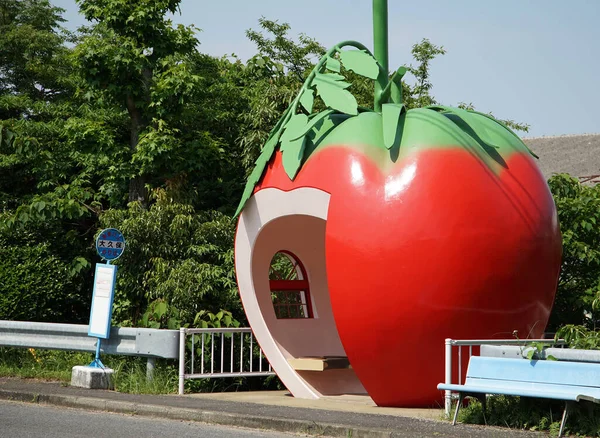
(533, 61)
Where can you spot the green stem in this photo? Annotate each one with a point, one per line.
(380, 43)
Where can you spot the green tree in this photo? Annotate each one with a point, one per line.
(270, 81)
(174, 254)
(135, 57)
(31, 49)
(578, 292)
(32, 72)
(267, 91)
(419, 94)
(56, 168)
(207, 167)
(37, 282)
(42, 196)
(296, 57)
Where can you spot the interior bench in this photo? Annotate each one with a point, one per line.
(319, 363)
(568, 381)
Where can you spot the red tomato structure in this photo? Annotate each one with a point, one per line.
(444, 235)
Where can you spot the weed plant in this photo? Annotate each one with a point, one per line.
(130, 375)
(129, 372)
(534, 414)
(40, 364)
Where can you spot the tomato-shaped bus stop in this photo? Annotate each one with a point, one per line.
(367, 236)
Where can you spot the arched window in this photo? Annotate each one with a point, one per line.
(290, 291)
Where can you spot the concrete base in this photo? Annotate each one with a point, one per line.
(92, 378)
(359, 404)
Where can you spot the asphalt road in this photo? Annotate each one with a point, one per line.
(24, 420)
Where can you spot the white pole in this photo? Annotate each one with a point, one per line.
(448, 376)
(181, 359)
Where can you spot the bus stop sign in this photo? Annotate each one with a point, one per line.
(110, 244)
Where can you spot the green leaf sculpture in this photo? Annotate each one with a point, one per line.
(393, 90)
(360, 62)
(327, 81)
(316, 118)
(294, 128)
(333, 64)
(391, 113)
(331, 87)
(479, 131)
(293, 152)
(293, 141)
(307, 99)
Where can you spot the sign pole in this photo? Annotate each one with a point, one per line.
(97, 363)
(110, 245)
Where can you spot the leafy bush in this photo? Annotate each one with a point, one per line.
(577, 336)
(534, 414)
(161, 315)
(36, 285)
(175, 255)
(578, 208)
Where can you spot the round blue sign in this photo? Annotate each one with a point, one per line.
(110, 244)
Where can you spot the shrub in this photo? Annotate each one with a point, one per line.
(578, 208)
(36, 285)
(176, 255)
(534, 414)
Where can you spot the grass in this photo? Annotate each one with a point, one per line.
(129, 372)
(130, 376)
(40, 364)
(534, 414)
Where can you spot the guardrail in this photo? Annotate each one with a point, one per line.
(127, 341)
(459, 344)
(220, 352)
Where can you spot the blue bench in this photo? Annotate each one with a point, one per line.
(568, 381)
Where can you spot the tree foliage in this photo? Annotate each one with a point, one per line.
(40, 280)
(578, 293)
(31, 49)
(36, 285)
(134, 56)
(174, 254)
(46, 188)
(423, 53)
(297, 57)
(56, 165)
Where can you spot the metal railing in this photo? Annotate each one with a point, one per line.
(127, 341)
(220, 352)
(459, 344)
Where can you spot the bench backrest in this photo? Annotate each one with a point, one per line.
(534, 371)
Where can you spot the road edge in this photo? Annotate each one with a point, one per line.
(197, 415)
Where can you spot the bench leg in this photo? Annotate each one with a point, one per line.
(564, 419)
(483, 400)
(461, 397)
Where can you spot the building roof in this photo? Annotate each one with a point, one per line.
(577, 155)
